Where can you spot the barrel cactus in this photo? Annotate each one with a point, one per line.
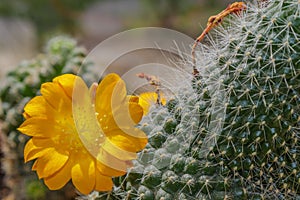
(234, 134)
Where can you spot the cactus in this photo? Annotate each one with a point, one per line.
(235, 133)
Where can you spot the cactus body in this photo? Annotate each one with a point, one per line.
(235, 133)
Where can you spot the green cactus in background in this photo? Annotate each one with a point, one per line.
(235, 133)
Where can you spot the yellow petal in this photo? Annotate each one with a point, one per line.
(50, 163)
(103, 183)
(147, 99)
(129, 140)
(32, 150)
(118, 152)
(34, 166)
(127, 116)
(66, 82)
(87, 125)
(26, 115)
(56, 97)
(39, 127)
(110, 93)
(61, 177)
(136, 112)
(83, 173)
(116, 165)
(109, 171)
(134, 99)
(92, 92)
(38, 107)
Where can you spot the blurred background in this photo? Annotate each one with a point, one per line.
(25, 28)
(25, 25)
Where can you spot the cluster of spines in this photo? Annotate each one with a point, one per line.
(259, 142)
(250, 76)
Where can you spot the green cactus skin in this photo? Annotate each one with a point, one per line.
(259, 72)
(234, 134)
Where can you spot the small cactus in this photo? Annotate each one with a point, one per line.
(235, 133)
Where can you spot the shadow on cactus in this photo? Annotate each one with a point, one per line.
(235, 133)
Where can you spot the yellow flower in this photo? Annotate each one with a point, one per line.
(85, 135)
(147, 99)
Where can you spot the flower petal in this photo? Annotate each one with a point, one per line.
(85, 120)
(127, 115)
(50, 163)
(32, 151)
(25, 115)
(110, 165)
(103, 183)
(66, 82)
(83, 173)
(131, 140)
(118, 152)
(134, 99)
(39, 127)
(108, 171)
(147, 99)
(38, 107)
(56, 97)
(61, 177)
(110, 93)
